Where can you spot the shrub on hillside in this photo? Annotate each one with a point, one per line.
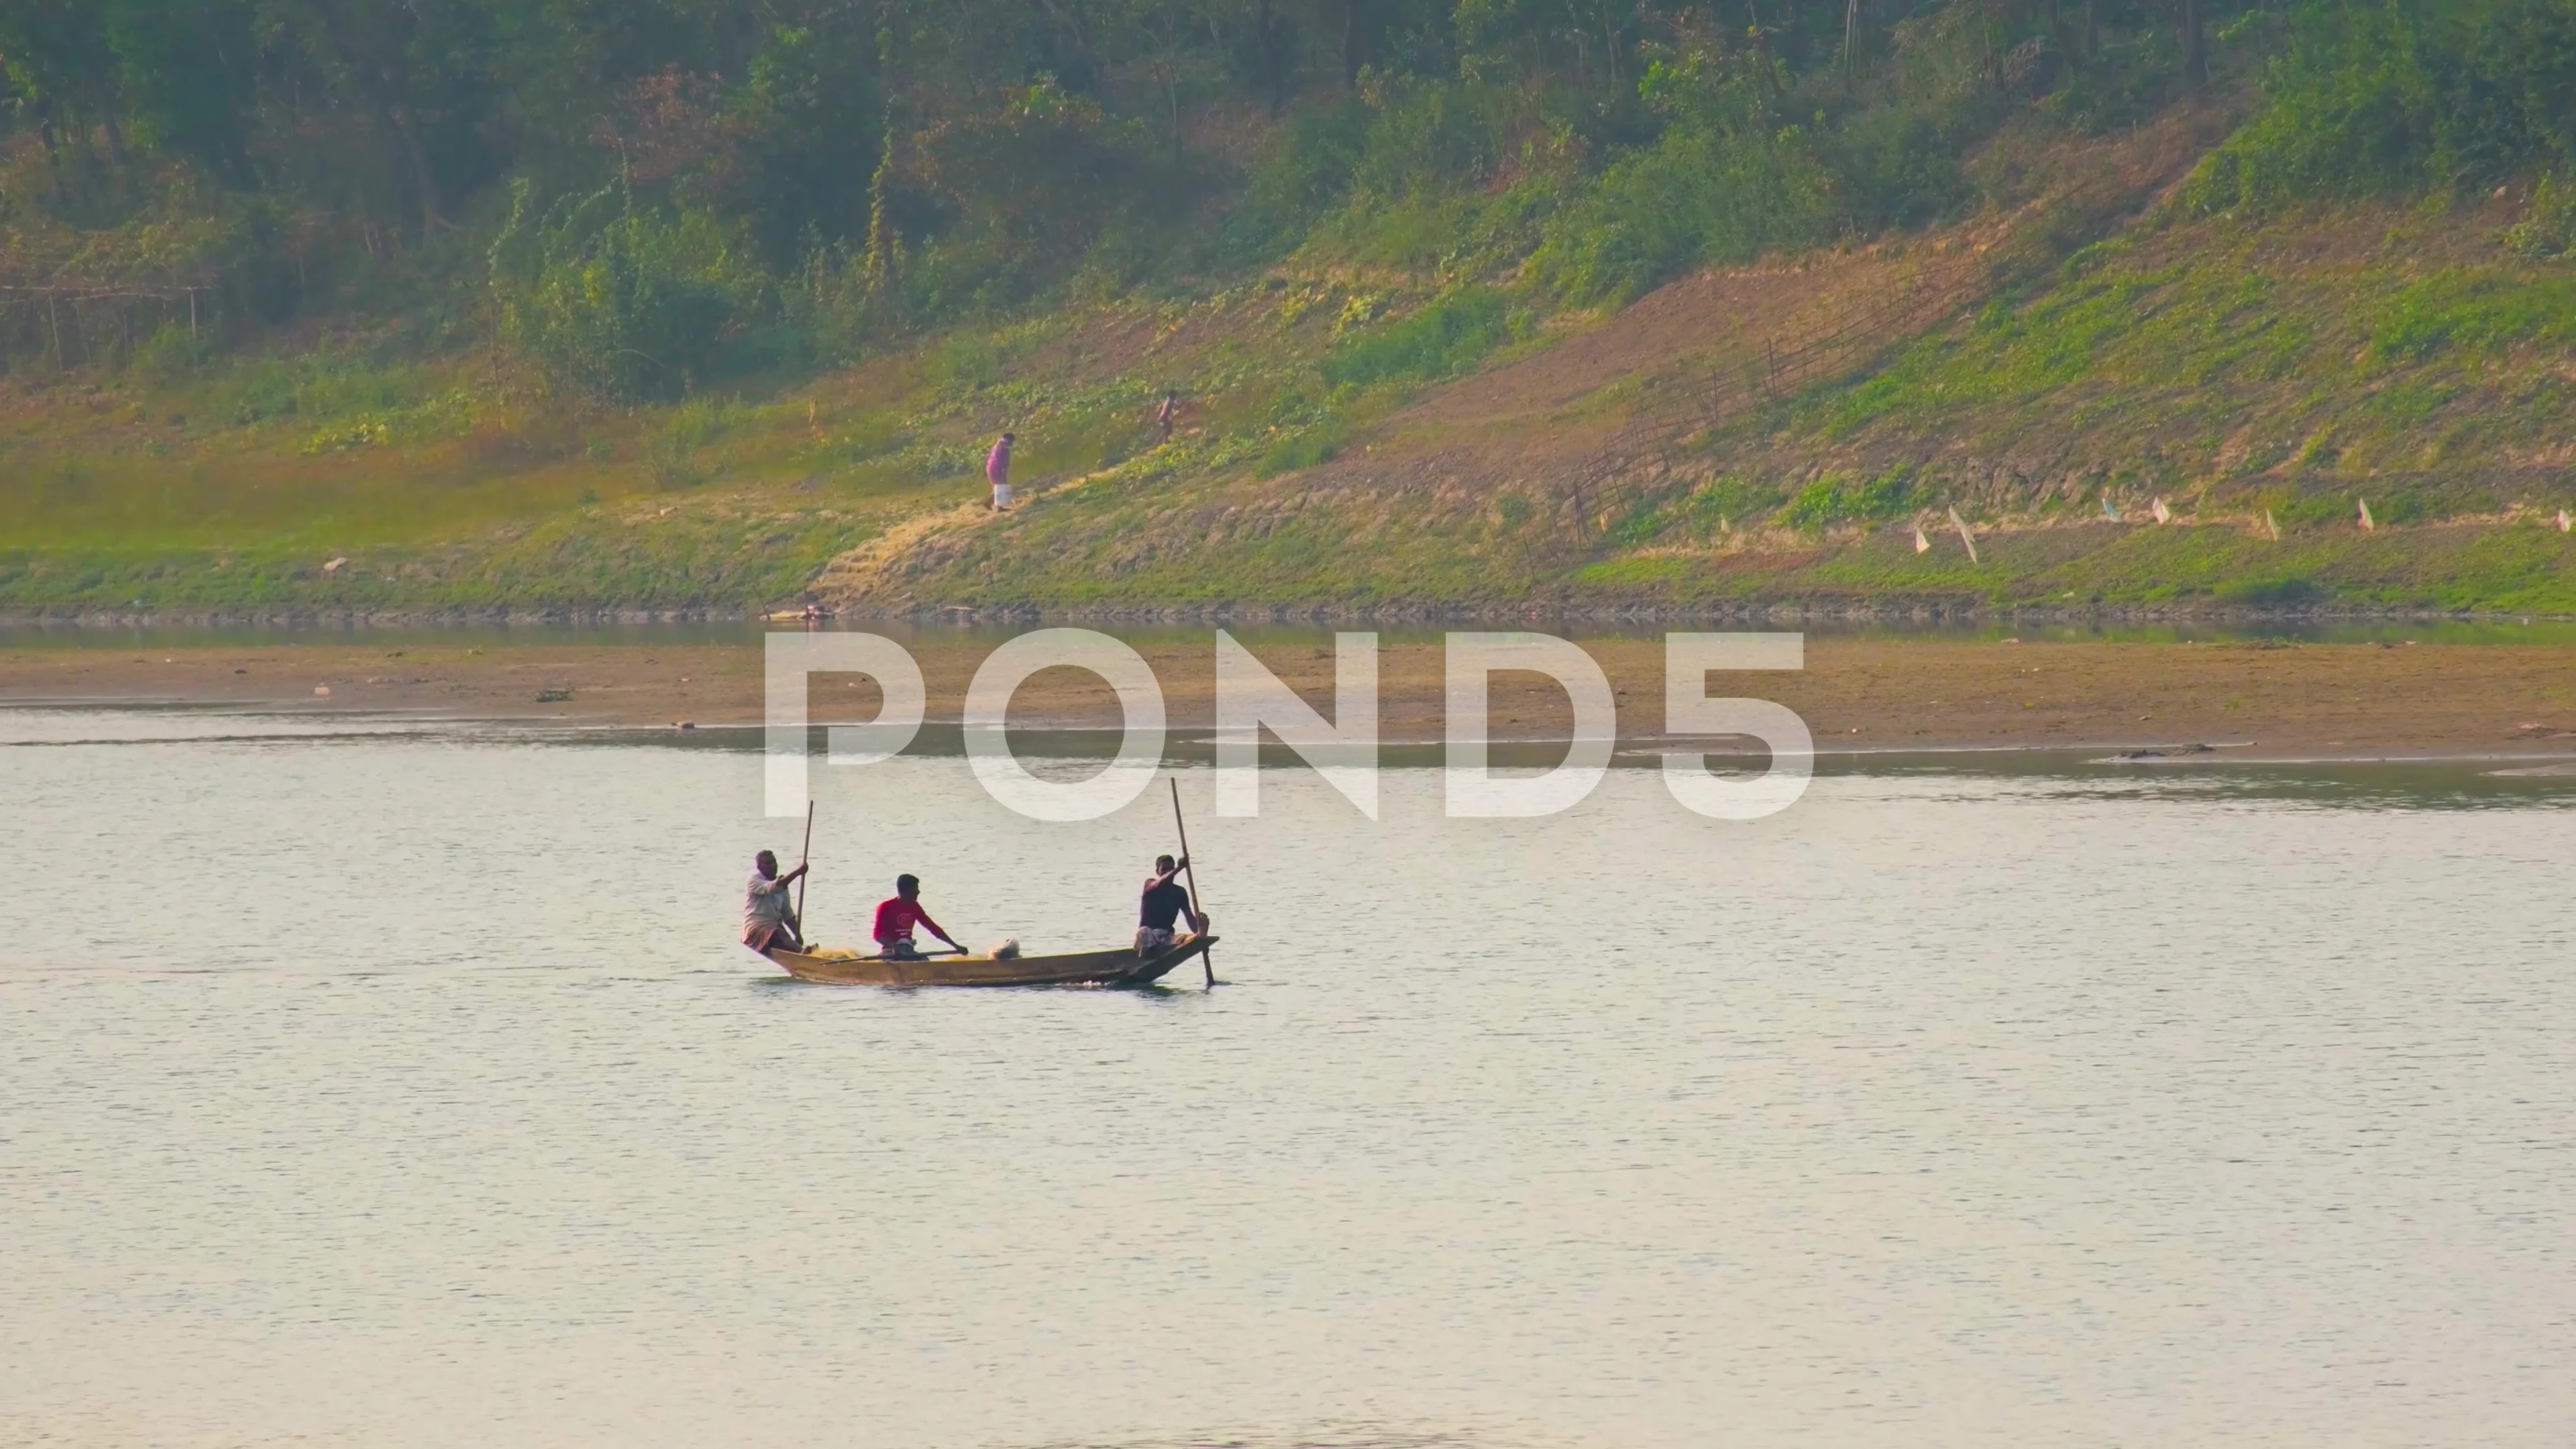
(1438, 137)
(1049, 190)
(2473, 310)
(1046, 165)
(2380, 99)
(2548, 230)
(1306, 173)
(620, 301)
(1837, 498)
(1441, 340)
(1726, 183)
(1892, 167)
(828, 308)
(1696, 199)
(169, 355)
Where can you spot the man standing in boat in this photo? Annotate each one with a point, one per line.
(897, 918)
(768, 913)
(1166, 902)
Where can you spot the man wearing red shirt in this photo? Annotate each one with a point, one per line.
(896, 919)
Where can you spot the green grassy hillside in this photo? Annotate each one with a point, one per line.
(2293, 367)
(1716, 326)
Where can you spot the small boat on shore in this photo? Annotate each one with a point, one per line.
(830, 966)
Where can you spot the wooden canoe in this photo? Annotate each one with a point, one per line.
(830, 966)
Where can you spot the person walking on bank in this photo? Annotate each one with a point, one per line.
(1168, 414)
(997, 469)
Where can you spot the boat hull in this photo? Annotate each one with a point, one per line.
(830, 967)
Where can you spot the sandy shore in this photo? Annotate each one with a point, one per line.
(2300, 700)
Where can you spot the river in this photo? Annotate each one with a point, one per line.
(399, 1084)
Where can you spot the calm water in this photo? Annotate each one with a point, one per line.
(405, 1088)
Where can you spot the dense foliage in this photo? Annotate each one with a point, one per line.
(638, 196)
(2393, 97)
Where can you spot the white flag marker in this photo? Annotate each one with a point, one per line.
(1965, 537)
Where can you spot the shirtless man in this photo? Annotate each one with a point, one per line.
(1165, 902)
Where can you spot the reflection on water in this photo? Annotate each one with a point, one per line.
(2446, 784)
(410, 1091)
(2372, 785)
(163, 725)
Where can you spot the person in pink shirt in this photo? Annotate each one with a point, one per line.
(997, 469)
(897, 919)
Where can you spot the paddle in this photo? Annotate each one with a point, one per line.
(1207, 958)
(802, 858)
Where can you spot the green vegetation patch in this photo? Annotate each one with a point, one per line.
(1442, 339)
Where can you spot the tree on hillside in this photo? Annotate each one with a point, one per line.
(417, 67)
(63, 70)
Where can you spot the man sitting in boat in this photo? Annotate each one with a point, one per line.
(897, 918)
(768, 913)
(1166, 902)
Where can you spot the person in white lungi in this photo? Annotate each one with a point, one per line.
(998, 469)
(768, 913)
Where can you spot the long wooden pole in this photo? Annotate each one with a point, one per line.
(1189, 873)
(802, 857)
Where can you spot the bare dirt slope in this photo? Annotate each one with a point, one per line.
(1703, 349)
(1568, 430)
